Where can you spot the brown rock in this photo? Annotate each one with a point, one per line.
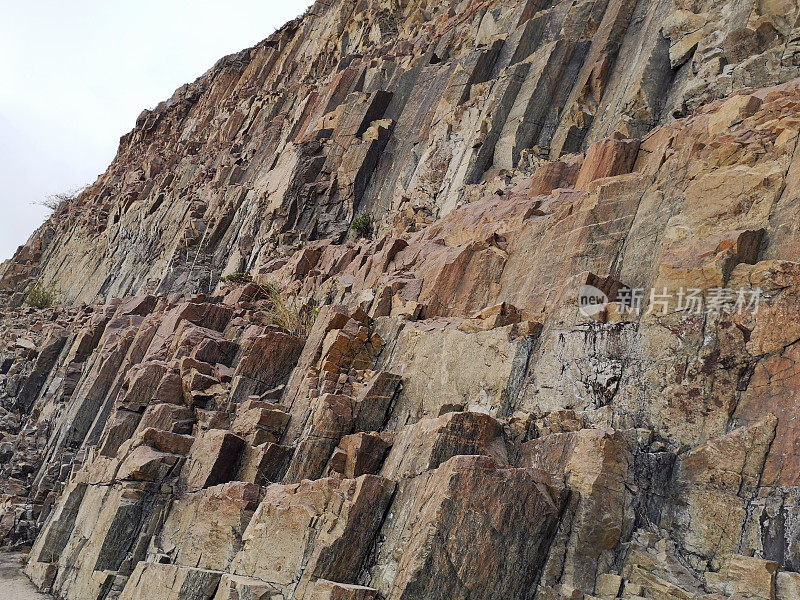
(595, 466)
(464, 529)
(746, 577)
(214, 459)
(328, 590)
(264, 464)
(434, 120)
(205, 529)
(168, 417)
(170, 582)
(733, 111)
(260, 425)
(145, 463)
(427, 444)
(332, 419)
(278, 548)
(164, 441)
(359, 454)
(607, 158)
(267, 364)
(373, 401)
(552, 176)
(234, 587)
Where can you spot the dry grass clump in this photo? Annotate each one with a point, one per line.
(278, 307)
(288, 312)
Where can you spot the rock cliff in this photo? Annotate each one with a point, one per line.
(464, 300)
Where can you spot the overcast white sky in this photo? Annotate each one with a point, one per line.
(75, 74)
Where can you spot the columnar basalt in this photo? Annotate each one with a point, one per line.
(243, 399)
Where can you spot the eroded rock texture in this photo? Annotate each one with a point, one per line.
(451, 426)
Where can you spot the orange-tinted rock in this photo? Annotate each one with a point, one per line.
(607, 158)
(552, 176)
(595, 465)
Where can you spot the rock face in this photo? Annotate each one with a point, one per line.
(557, 359)
(397, 109)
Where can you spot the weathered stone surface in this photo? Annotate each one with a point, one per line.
(204, 529)
(268, 363)
(332, 419)
(787, 586)
(714, 482)
(46, 360)
(96, 543)
(328, 590)
(168, 417)
(321, 529)
(170, 582)
(607, 158)
(560, 79)
(359, 454)
(444, 368)
(145, 463)
(746, 577)
(596, 466)
(260, 425)
(464, 529)
(430, 442)
(235, 587)
(214, 459)
(264, 464)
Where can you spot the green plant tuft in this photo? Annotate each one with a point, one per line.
(40, 296)
(237, 278)
(362, 226)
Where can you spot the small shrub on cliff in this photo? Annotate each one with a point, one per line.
(54, 201)
(40, 296)
(237, 278)
(362, 226)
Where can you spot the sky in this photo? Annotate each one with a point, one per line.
(75, 74)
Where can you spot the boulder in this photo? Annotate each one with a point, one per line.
(264, 464)
(607, 158)
(260, 425)
(204, 529)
